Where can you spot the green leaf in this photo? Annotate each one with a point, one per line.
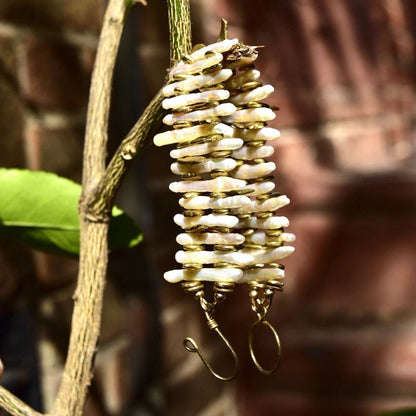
(40, 209)
(403, 412)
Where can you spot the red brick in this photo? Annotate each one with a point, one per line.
(58, 150)
(154, 61)
(11, 145)
(8, 285)
(353, 265)
(171, 293)
(346, 269)
(54, 14)
(158, 164)
(328, 59)
(153, 52)
(8, 59)
(332, 371)
(191, 395)
(54, 272)
(179, 322)
(163, 239)
(55, 77)
(348, 170)
(365, 361)
(11, 115)
(155, 14)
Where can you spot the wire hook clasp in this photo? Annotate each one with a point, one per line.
(262, 370)
(191, 346)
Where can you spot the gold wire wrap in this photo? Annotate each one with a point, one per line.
(221, 290)
(261, 295)
(191, 346)
(251, 349)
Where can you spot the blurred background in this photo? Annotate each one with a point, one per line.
(344, 73)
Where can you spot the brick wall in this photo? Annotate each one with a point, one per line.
(345, 73)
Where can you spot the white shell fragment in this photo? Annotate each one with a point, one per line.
(210, 220)
(205, 148)
(190, 133)
(223, 46)
(272, 223)
(251, 115)
(288, 237)
(230, 230)
(260, 237)
(268, 255)
(195, 98)
(206, 166)
(250, 153)
(218, 111)
(257, 94)
(199, 81)
(220, 184)
(265, 133)
(205, 202)
(271, 204)
(197, 66)
(261, 188)
(237, 258)
(205, 274)
(210, 238)
(263, 274)
(254, 171)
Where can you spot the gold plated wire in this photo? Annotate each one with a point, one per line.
(261, 294)
(191, 346)
(262, 370)
(221, 289)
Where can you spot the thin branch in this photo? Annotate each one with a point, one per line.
(124, 157)
(96, 135)
(180, 45)
(179, 29)
(88, 297)
(11, 404)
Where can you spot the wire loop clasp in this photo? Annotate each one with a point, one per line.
(191, 346)
(262, 370)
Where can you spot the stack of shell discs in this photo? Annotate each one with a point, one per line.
(230, 233)
(263, 230)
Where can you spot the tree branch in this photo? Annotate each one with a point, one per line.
(180, 45)
(88, 297)
(11, 403)
(124, 157)
(15, 406)
(179, 29)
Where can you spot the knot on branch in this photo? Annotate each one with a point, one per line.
(97, 214)
(128, 152)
